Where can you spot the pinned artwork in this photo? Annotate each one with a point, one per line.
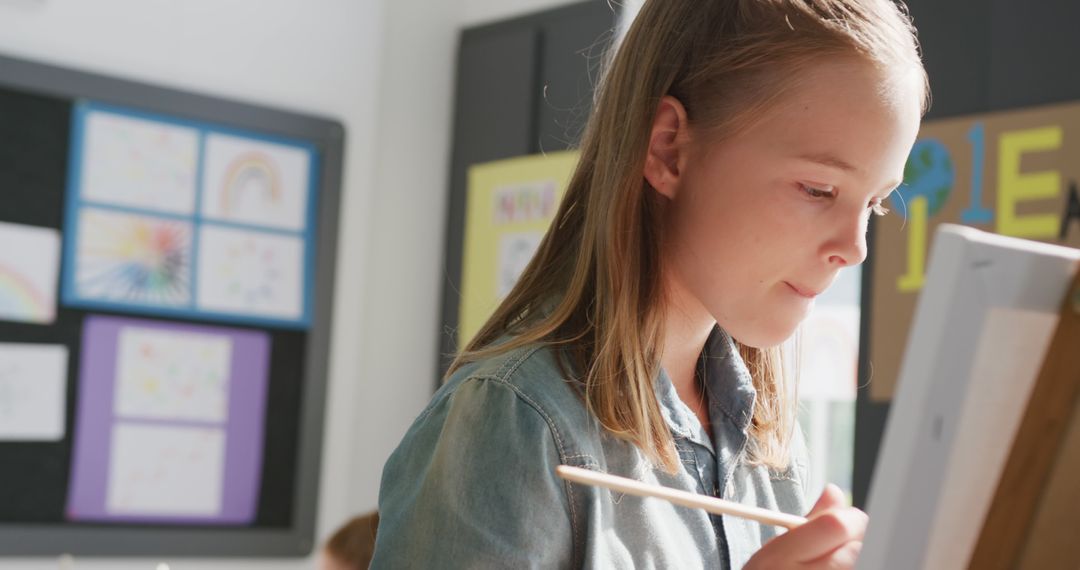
(170, 424)
(165, 470)
(509, 206)
(255, 182)
(516, 250)
(164, 374)
(182, 219)
(130, 258)
(253, 273)
(139, 163)
(33, 388)
(29, 263)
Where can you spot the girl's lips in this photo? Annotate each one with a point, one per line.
(802, 292)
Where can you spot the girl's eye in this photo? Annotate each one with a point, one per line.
(817, 192)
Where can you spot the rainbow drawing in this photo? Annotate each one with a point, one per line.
(23, 300)
(249, 172)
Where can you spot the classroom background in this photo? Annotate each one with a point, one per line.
(449, 107)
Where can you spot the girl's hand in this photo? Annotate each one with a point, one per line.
(830, 540)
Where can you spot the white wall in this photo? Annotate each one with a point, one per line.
(475, 12)
(385, 69)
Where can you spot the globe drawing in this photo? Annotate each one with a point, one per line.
(929, 172)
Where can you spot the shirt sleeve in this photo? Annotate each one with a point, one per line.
(472, 485)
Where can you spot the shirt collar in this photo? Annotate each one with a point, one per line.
(728, 384)
(727, 379)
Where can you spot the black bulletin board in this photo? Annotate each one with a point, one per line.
(36, 108)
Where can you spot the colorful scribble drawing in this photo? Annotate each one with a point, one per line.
(250, 272)
(171, 375)
(133, 259)
(255, 182)
(139, 163)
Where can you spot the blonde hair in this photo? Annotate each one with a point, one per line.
(594, 287)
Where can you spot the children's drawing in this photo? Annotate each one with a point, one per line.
(169, 422)
(132, 259)
(252, 273)
(515, 252)
(33, 388)
(29, 262)
(255, 182)
(165, 470)
(139, 163)
(162, 374)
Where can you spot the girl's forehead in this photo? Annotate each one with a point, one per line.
(841, 102)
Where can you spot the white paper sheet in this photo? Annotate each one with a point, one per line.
(29, 262)
(160, 470)
(33, 389)
(169, 375)
(139, 163)
(516, 250)
(255, 182)
(250, 273)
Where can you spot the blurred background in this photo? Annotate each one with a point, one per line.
(437, 137)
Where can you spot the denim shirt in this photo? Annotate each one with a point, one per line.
(473, 483)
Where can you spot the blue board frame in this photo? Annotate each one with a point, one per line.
(77, 203)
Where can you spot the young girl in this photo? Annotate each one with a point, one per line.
(735, 153)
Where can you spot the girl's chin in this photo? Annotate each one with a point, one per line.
(762, 339)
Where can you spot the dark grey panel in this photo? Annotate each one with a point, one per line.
(573, 45)
(501, 109)
(493, 119)
(955, 38)
(1034, 54)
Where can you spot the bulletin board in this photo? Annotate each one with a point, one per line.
(166, 271)
(1009, 172)
(511, 204)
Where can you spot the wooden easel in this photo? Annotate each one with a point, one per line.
(1034, 518)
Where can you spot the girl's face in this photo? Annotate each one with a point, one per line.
(760, 223)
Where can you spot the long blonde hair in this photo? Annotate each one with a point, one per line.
(594, 287)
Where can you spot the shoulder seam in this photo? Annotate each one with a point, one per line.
(502, 376)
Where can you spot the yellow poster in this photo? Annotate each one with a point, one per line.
(1013, 173)
(509, 205)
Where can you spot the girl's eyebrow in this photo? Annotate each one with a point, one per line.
(830, 161)
(833, 161)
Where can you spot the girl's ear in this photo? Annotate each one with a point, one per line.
(666, 157)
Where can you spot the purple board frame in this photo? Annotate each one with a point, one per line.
(249, 368)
